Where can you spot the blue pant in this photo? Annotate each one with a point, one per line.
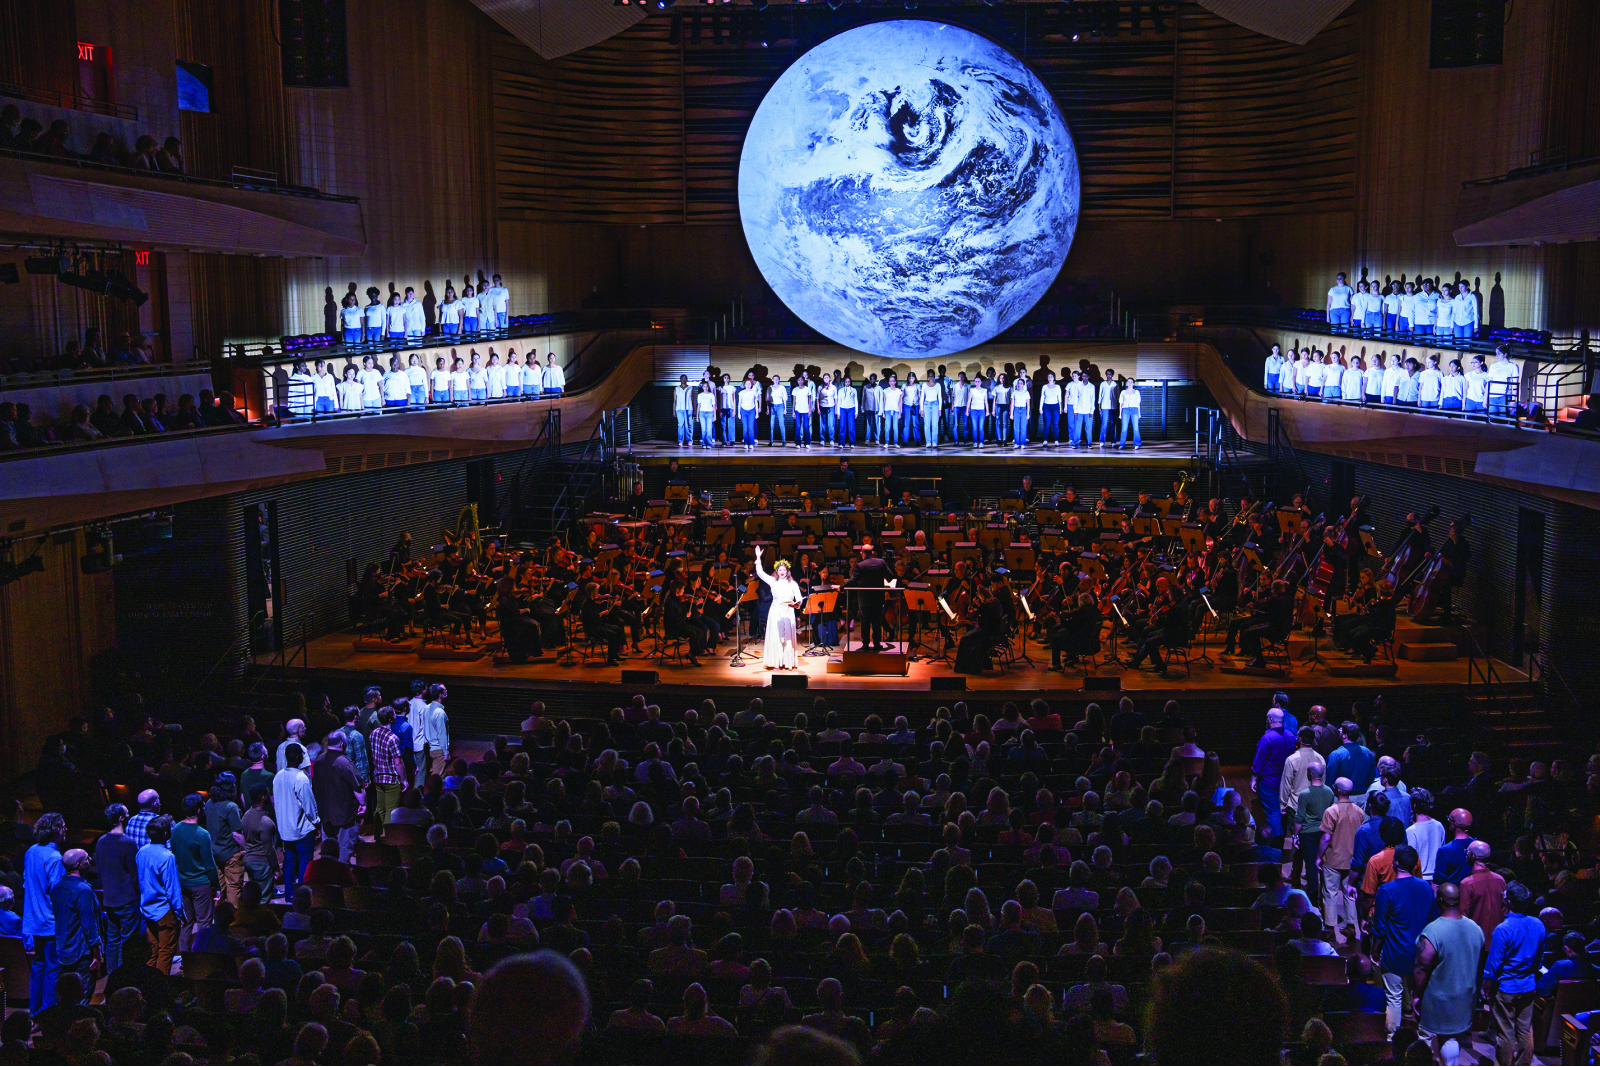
(1019, 424)
(975, 420)
(1462, 330)
(42, 977)
(1130, 423)
(847, 425)
(374, 334)
(500, 319)
(685, 427)
(513, 390)
(748, 418)
(1272, 383)
(708, 434)
(326, 406)
(470, 325)
(828, 426)
(908, 427)
(1339, 317)
(419, 394)
(1075, 427)
(726, 419)
(1390, 321)
(776, 429)
(802, 427)
(1450, 403)
(352, 335)
(1002, 423)
(121, 924)
(1108, 421)
(930, 424)
(1050, 422)
(449, 329)
(1269, 802)
(296, 854)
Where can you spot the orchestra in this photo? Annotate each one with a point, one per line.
(1094, 584)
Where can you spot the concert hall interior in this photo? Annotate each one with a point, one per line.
(852, 531)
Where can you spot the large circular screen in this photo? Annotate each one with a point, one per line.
(908, 188)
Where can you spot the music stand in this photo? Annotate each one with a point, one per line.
(871, 500)
(851, 519)
(837, 545)
(1289, 521)
(1367, 541)
(1170, 527)
(1146, 526)
(1089, 563)
(1022, 631)
(968, 551)
(720, 533)
(917, 601)
(738, 502)
(1053, 540)
(1043, 517)
(1193, 536)
(944, 538)
(1215, 620)
(658, 511)
(929, 500)
(1011, 502)
(910, 516)
(811, 523)
(760, 524)
(789, 543)
(749, 489)
(1163, 504)
(818, 604)
(1111, 518)
(677, 491)
(787, 489)
(1020, 557)
(837, 494)
(750, 593)
(994, 536)
(1253, 555)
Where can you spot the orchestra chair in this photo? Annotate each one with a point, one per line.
(1276, 654)
(1178, 652)
(668, 648)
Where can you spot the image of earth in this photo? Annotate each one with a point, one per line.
(908, 188)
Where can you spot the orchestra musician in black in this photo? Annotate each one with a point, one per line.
(989, 629)
(1276, 620)
(1355, 518)
(871, 573)
(1361, 633)
(677, 622)
(1458, 553)
(598, 627)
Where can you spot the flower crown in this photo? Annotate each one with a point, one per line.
(780, 563)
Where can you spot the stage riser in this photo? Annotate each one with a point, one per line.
(1230, 723)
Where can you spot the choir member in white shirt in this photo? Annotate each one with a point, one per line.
(1391, 308)
(499, 305)
(960, 398)
(1084, 407)
(1351, 388)
(872, 408)
(417, 379)
(1423, 307)
(1050, 411)
(450, 314)
(847, 403)
(977, 409)
(1429, 383)
(1393, 372)
(302, 391)
(1274, 368)
(495, 375)
(911, 410)
(827, 404)
(1465, 312)
(396, 386)
(1107, 403)
(533, 381)
(1339, 307)
(803, 394)
(1332, 378)
(749, 409)
(459, 380)
(327, 388)
(415, 318)
(1314, 376)
(932, 410)
(439, 381)
(350, 390)
(1000, 401)
(513, 373)
(1405, 391)
(682, 408)
(555, 379)
(1374, 382)
(777, 411)
(727, 403)
(477, 380)
(1287, 374)
(1477, 388)
(1128, 401)
(351, 318)
(1408, 308)
(894, 401)
(1444, 323)
(706, 408)
(470, 304)
(394, 320)
(1453, 388)
(1021, 410)
(371, 382)
(1503, 383)
(374, 317)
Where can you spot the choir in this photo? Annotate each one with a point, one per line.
(832, 410)
(1443, 382)
(324, 387)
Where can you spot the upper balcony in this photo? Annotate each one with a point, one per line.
(76, 199)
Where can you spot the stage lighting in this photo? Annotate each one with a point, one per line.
(664, 4)
(121, 288)
(47, 264)
(95, 281)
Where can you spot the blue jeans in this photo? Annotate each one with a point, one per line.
(1002, 423)
(829, 428)
(419, 394)
(1339, 317)
(908, 427)
(1050, 422)
(1269, 793)
(708, 434)
(847, 425)
(42, 977)
(685, 427)
(1019, 424)
(1108, 422)
(802, 427)
(776, 430)
(121, 924)
(1272, 383)
(726, 418)
(748, 418)
(374, 334)
(469, 325)
(1130, 423)
(1075, 430)
(930, 424)
(352, 336)
(975, 420)
(296, 854)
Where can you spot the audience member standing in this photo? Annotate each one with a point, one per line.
(1403, 909)
(1483, 892)
(224, 825)
(197, 869)
(437, 732)
(388, 768)
(114, 853)
(77, 920)
(1339, 825)
(160, 894)
(1510, 975)
(338, 795)
(1266, 771)
(41, 870)
(295, 809)
(1446, 972)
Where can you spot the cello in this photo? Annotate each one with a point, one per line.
(1435, 575)
(1405, 563)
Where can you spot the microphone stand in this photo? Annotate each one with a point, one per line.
(1204, 635)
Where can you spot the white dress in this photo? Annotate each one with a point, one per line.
(780, 649)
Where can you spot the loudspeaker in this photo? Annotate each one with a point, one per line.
(640, 677)
(940, 682)
(1102, 683)
(1466, 33)
(316, 48)
(789, 681)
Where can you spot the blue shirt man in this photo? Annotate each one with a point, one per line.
(1369, 841)
(77, 916)
(1511, 975)
(1266, 771)
(1402, 908)
(1354, 761)
(41, 870)
(1452, 862)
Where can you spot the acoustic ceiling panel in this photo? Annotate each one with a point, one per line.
(1296, 22)
(555, 28)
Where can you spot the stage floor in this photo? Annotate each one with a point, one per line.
(339, 652)
(1169, 453)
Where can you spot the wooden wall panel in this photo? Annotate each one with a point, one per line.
(245, 126)
(52, 625)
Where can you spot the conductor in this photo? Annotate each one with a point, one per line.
(871, 573)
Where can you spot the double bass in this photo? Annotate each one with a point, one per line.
(1435, 577)
(1405, 563)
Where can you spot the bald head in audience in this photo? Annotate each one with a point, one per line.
(528, 1009)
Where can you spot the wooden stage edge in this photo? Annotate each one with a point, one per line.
(337, 654)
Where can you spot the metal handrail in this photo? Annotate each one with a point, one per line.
(69, 101)
(184, 179)
(90, 375)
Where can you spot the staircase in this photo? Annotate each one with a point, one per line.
(1517, 725)
(551, 489)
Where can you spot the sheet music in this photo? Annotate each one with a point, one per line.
(946, 608)
(1024, 598)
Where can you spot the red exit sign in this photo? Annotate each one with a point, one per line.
(141, 257)
(86, 51)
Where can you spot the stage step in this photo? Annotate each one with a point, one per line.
(1418, 651)
(465, 653)
(1378, 668)
(894, 660)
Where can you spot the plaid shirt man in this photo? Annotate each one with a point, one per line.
(138, 828)
(355, 750)
(387, 766)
